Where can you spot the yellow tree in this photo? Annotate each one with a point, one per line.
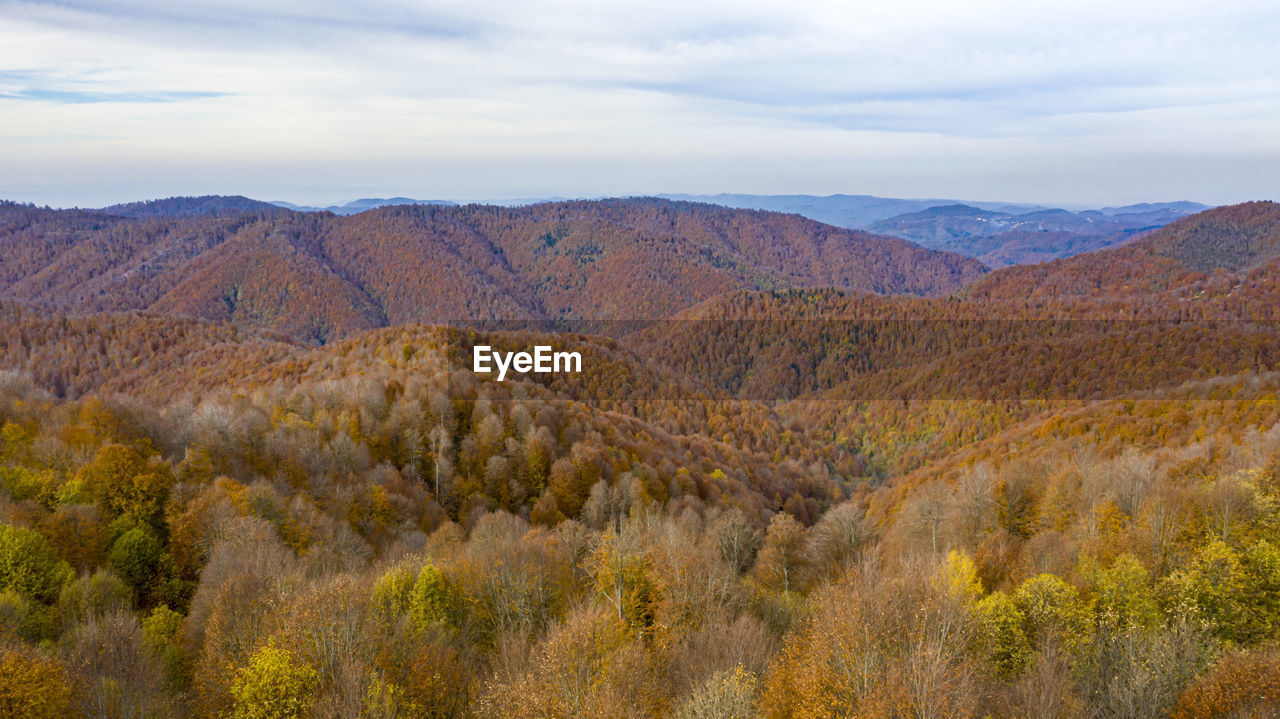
(123, 483)
(273, 686)
(32, 686)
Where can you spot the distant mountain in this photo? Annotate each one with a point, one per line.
(857, 212)
(1004, 238)
(187, 206)
(937, 226)
(997, 233)
(361, 205)
(317, 276)
(1228, 256)
(1185, 208)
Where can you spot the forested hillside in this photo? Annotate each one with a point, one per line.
(1215, 257)
(1053, 492)
(318, 277)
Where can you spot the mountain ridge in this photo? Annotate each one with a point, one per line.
(319, 275)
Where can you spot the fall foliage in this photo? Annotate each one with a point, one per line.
(789, 499)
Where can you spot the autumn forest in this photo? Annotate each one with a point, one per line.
(247, 471)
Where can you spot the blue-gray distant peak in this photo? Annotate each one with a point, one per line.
(365, 203)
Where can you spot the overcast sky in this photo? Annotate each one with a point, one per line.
(1066, 102)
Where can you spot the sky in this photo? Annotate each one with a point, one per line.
(1080, 102)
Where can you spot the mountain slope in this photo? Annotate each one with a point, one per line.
(857, 212)
(319, 276)
(1208, 257)
(1001, 238)
(996, 233)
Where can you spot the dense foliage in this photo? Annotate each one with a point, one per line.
(203, 519)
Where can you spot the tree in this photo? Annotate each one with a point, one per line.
(430, 600)
(730, 694)
(781, 561)
(76, 532)
(1213, 589)
(959, 577)
(160, 636)
(589, 666)
(1138, 671)
(877, 644)
(98, 593)
(835, 540)
(135, 557)
(568, 486)
(1053, 608)
(1240, 685)
(32, 685)
(21, 616)
(736, 539)
(119, 479)
(389, 600)
(29, 566)
(1002, 637)
(440, 441)
(273, 686)
(112, 672)
(1123, 595)
(622, 578)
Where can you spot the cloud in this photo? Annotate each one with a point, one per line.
(568, 94)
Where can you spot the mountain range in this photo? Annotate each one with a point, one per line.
(760, 304)
(234, 433)
(320, 276)
(357, 206)
(997, 233)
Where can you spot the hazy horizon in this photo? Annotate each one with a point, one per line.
(1088, 103)
(519, 201)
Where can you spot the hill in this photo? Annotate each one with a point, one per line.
(362, 204)
(189, 366)
(187, 206)
(1000, 238)
(1220, 260)
(996, 233)
(852, 211)
(1055, 504)
(319, 276)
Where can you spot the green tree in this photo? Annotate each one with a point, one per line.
(1262, 564)
(24, 617)
(1002, 635)
(29, 566)
(135, 556)
(1123, 595)
(97, 593)
(430, 601)
(160, 636)
(389, 600)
